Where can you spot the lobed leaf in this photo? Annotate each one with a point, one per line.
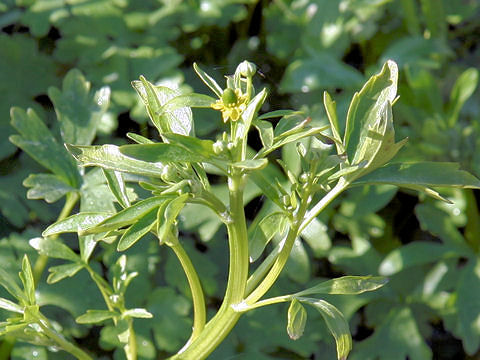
(135, 232)
(76, 223)
(53, 248)
(96, 316)
(46, 186)
(60, 272)
(161, 153)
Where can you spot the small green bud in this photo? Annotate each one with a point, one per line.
(229, 97)
(169, 173)
(304, 177)
(247, 68)
(286, 200)
(218, 147)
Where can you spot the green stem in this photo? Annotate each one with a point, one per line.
(131, 347)
(222, 323)
(199, 309)
(244, 307)
(42, 260)
(301, 220)
(63, 343)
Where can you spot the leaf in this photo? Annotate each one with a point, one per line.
(26, 276)
(366, 106)
(96, 316)
(109, 157)
(462, 90)
(139, 139)
(53, 248)
(137, 313)
(296, 319)
(194, 145)
(161, 153)
(251, 164)
(249, 113)
(468, 306)
(10, 306)
(208, 80)
(78, 110)
(46, 186)
(413, 254)
(126, 216)
(298, 264)
(60, 272)
(170, 214)
(398, 337)
(336, 323)
(421, 174)
(346, 285)
(76, 223)
(188, 100)
(135, 232)
(265, 130)
(321, 71)
(266, 228)
(178, 121)
(117, 186)
(277, 113)
(37, 141)
(331, 110)
(9, 283)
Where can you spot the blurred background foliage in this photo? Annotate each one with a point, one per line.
(430, 250)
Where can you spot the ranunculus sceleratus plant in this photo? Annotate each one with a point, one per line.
(176, 172)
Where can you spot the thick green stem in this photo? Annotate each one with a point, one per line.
(222, 323)
(199, 310)
(42, 260)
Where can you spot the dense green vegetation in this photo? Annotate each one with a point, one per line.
(72, 63)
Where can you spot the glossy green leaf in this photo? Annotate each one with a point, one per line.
(277, 113)
(139, 139)
(135, 232)
(170, 214)
(26, 275)
(462, 90)
(53, 248)
(194, 145)
(78, 110)
(109, 157)
(160, 153)
(208, 80)
(60, 272)
(10, 306)
(126, 216)
(336, 323)
(346, 285)
(76, 223)
(188, 100)
(265, 130)
(266, 228)
(95, 316)
(137, 313)
(331, 110)
(296, 319)
(366, 106)
(37, 141)
(251, 164)
(424, 174)
(117, 186)
(9, 283)
(46, 186)
(250, 112)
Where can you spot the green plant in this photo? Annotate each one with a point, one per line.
(144, 188)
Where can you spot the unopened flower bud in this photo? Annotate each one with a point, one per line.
(247, 68)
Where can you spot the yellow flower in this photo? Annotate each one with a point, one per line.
(232, 104)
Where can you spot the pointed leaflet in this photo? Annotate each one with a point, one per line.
(96, 316)
(170, 214)
(76, 223)
(367, 105)
(60, 272)
(46, 186)
(53, 248)
(37, 141)
(331, 110)
(26, 276)
(127, 216)
(9, 283)
(346, 285)
(462, 90)
(208, 80)
(109, 157)
(11, 306)
(78, 110)
(161, 153)
(424, 174)
(135, 232)
(336, 323)
(250, 112)
(264, 231)
(117, 186)
(178, 121)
